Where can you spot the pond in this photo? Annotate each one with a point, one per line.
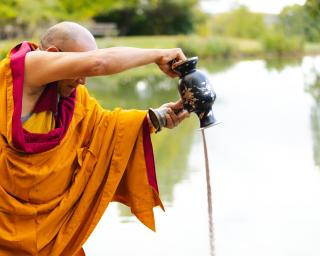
(264, 164)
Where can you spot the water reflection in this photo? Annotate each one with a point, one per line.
(265, 187)
(312, 85)
(171, 147)
(280, 64)
(215, 66)
(136, 91)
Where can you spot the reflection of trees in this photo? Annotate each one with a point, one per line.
(315, 125)
(313, 88)
(139, 91)
(215, 66)
(171, 147)
(142, 88)
(280, 63)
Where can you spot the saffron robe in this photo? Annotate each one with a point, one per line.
(54, 187)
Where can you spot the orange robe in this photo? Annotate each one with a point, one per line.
(51, 201)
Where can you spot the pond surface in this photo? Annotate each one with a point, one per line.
(264, 165)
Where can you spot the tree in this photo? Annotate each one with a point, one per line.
(153, 17)
(7, 11)
(313, 9)
(239, 23)
(297, 20)
(30, 15)
(293, 20)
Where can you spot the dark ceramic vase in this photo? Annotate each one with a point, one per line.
(196, 92)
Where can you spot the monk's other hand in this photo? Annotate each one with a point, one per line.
(175, 114)
(170, 57)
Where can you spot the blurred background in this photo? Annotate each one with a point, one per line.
(262, 58)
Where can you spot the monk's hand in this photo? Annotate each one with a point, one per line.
(170, 58)
(175, 114)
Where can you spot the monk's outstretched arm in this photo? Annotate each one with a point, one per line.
(42, 67)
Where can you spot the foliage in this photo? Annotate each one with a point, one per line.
(81, 9)
(292, 20)
(239, 23)
(275, 42)
(296, 20)
(7, 11)
(163, 17)
(207, 47)
(312, 8)
(27, 16)
(134, 17)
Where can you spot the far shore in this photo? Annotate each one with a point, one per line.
(205, 47)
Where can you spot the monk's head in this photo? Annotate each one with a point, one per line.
(68, 37)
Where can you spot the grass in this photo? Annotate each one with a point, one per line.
(142, 41)
(241, 47)
(210, 47)
(312, 48)
(204, 47)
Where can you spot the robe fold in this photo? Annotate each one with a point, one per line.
(55, 186)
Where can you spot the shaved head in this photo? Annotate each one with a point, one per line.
(68, 37)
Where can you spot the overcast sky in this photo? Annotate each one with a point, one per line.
(265, 6)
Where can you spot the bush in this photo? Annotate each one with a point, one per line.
(219, 48)
(206, 47)
(277, 43)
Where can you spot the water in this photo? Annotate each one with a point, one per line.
(264, 160)
(209, 194)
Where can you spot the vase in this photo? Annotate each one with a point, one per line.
(196, 93)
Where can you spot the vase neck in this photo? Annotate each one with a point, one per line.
(186, 67)
(186, 72)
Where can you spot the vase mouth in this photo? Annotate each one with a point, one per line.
(184, 67)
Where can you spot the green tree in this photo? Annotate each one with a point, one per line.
(30, 15)
(313, 9)
(293, 20)
(296, 20)
(8, 11)
(152, 17)
(80, 9)
(239, 23)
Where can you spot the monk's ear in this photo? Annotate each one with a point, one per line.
(52, 49)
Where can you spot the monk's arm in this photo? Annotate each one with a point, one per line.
(43, 67)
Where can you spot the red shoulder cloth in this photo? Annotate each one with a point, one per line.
(34, 142)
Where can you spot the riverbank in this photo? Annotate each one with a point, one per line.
(207, 47)
(220, 47)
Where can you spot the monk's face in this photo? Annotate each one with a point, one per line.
(66, 87)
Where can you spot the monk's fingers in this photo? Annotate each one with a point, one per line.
(172, 119)
(169, 122)
(168, 105)
(183, 115)
(175, 113)
(168, 71)
(178, 104)
(177, 107)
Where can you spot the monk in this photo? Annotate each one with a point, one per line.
(63, 158)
